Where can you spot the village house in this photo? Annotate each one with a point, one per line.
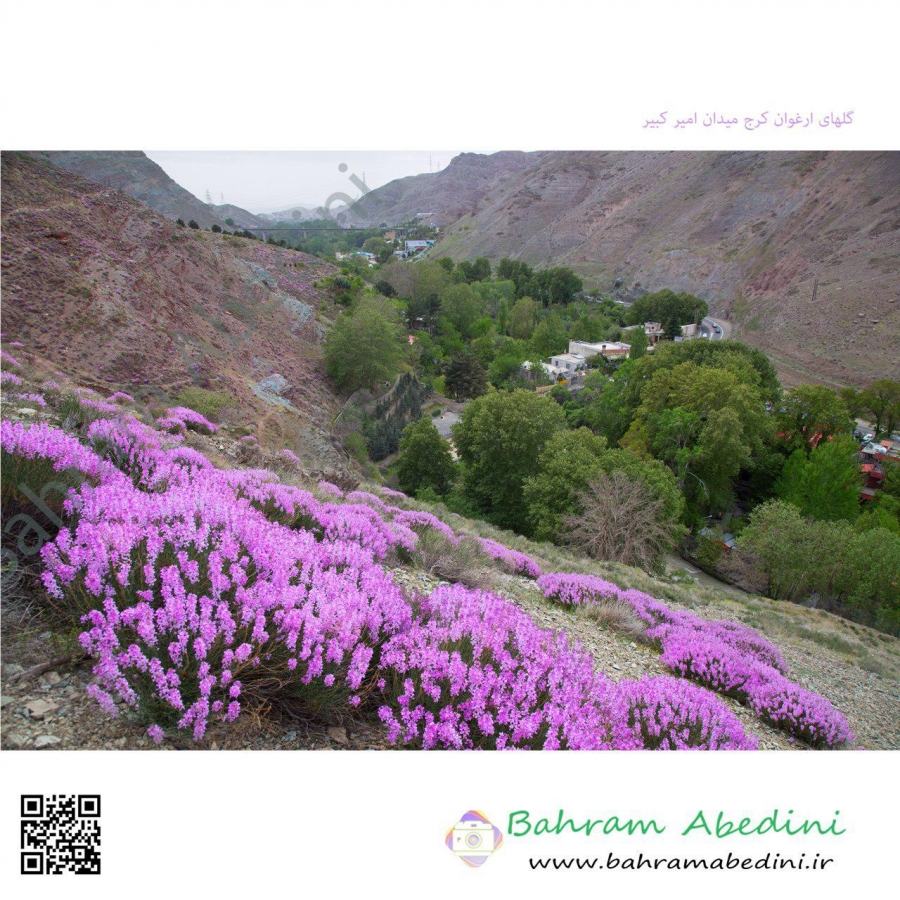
(608, 349)
(569, 362)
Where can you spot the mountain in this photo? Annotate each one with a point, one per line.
(138, 176)
(461, 189)
(116, 296)
(299, 214)
(799, 249)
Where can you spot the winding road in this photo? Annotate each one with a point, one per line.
(715, 329)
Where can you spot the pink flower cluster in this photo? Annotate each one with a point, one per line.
(725, 656)
(196, 586)
(515, 562)
(673, 714)
(476, 672)
(180, 418)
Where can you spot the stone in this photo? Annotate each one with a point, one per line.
(5, 701)
(52, 678)
(46, 740)
(38, 709)
(338, 734)
(16, 741)
(27, 411)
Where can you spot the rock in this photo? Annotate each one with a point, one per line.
(338, 734)
(290, 736)
(46, 740)
(27, 411)
(5, 701)
(52, 678)
(16, 741)
(38, 709)
(10, 669)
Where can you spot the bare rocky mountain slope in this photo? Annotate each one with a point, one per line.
(801, 249)
(137, 175)
(117, 297)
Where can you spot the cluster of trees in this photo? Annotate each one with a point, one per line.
(668, 308)
(522, 469)
(852, 569)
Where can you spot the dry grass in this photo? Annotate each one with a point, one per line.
(614, 615)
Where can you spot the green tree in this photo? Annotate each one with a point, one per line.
(811, 413)
(367, 344)
(705, 423)
(872, 578)
(193, 224)
(881, 400)
(638, 342)
(424, 461)
(464, 376)
(461, 306)
(794, 556)
(826, 484)
(521, 319)
(549, 337)
(571, 461)
(666, 306)
(499, 439)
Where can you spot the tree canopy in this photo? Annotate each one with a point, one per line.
(366, 344)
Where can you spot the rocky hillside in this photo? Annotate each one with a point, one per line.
(117, 297)
(138, 176)
(799, 249)
(466, 186)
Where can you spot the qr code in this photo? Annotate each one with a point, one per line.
(61, 833)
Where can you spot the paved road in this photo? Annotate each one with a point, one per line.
(717, 329)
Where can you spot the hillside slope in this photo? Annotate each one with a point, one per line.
(137, 175)
(116, 296)
(757, 235)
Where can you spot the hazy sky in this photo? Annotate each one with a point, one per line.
(272, 181)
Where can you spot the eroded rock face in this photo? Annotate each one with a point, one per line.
(117, 297)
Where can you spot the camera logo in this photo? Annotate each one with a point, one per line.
(473, 838)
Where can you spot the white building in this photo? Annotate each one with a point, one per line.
(569, 362)
(609, 349)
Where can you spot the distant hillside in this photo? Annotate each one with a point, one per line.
(758, 235)
(138, 176)
(459, 190)
(299, 213)
(118, 297)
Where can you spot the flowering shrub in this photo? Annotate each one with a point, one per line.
(513, 561)
(290, 457)
(418, 521)
(180, 418)
(326, 487)
(724, 656)
(371, 499)
(190, 595)
(120, 397)
(672, 714)
(800, 713)
(8, 361)
(476, 672)
(7, 378)
(389, 492)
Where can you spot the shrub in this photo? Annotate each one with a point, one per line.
(671, 714)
